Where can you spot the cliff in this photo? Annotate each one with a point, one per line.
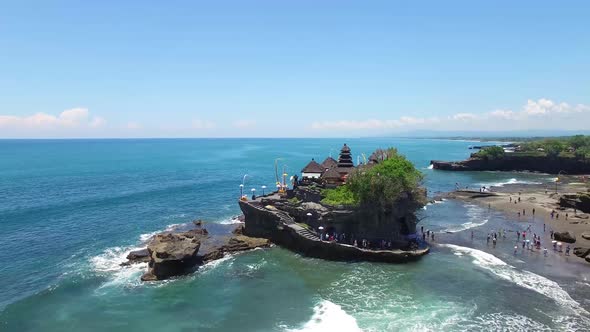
(540, 164)
(281, 228)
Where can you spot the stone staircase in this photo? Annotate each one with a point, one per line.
(308, 234)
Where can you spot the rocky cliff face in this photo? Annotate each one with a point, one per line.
(517, 163)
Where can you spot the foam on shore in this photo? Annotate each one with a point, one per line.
(328, 316)
(529, 280)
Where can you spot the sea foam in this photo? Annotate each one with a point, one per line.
(328, 316)
(526, 279)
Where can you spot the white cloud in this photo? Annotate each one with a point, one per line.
(68, 119)
(242, 124)
(540, 114)
(203, 124)
(464, 116)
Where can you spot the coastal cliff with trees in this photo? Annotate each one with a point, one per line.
(570, 155)
(344, 212)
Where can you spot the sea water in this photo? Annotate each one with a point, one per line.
(71, 210)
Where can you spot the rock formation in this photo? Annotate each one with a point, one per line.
(567, 237)
(172, 254)
(517, 163)
(580, 201)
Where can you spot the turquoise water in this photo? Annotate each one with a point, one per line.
(70, 210)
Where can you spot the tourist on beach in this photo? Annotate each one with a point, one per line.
(488, 240)
(523, 243)
(551, 235)
(523, 212)
(515, 249)
(543, 228)
(423, 236)
(494, 241)
(510, 199)
(567, 250)
(432, 236)
(566, 215)
(557, 216)
(519, 214)
(355, 243)
(422, 229)
(545, 252)
(517, 236)
(472, 235)
(533, 211)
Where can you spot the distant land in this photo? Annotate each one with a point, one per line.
(492, 135)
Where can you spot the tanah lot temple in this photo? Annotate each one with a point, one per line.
(298, 220)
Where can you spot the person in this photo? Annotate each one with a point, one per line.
(355, 243)
(472, 235)
(488, 240)
(543, 228)
(533, 211)
(489, 206)
(567, 250)
(557, 216)
(510, 199)
(494, 241)
(523, 235)
(545, 252)
(523, 243)
(432, 236)
(523, 212)
(518, 214)
(519, 197)
(422, 229)
(423, 236)
(566, 215)
(517, 236)
(515, 249)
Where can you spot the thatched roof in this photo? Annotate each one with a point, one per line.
(313, 167)
(332, 173)
(329, 163)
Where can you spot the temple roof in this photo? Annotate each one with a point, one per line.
(332, 173)
(313, 167)
(329, 163)
(345, 148)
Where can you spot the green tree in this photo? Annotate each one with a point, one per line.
(491, 153)
(553, 148)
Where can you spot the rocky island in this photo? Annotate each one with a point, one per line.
(558, 155)
(339, 211)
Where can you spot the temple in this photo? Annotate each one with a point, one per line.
(300, 220)
(330, 173)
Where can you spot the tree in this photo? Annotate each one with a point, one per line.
(491, 152)
(553, 148)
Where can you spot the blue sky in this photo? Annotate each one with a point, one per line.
(291, 68)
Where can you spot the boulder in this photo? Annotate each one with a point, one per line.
(137, 256)
(586, 235)
(587, 258)
(581, 252)
(241, 243)
(172, 254)
(564, 237)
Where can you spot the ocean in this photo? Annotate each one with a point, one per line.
(70, 211)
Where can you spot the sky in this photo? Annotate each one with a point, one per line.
(78, 69)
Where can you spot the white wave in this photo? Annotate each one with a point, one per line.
(328, 316)
(431, 166)
(523, 278)
(464, 226)
(231, 221)
(109, 262)
(505, 182)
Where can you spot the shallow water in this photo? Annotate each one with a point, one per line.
(71, 211)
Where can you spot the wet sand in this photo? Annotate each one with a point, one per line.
(544, 199)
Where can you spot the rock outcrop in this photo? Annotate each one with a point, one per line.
(172, 254)
(510, 162)
(580, 201)
(567, 237)
(581, 252)
(586, 235)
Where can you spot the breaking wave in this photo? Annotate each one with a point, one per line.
(328, 316)
(528, 280)
(505, 182)
(475, 214)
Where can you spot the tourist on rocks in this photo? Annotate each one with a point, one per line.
(355, 243)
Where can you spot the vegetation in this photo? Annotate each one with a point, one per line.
(382, 185)
(294, 200)
(491, 153)
(563, 147)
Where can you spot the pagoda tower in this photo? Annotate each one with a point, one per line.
(345, 159)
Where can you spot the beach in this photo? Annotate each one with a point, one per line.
(518, 200)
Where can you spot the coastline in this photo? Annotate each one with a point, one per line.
(543, 198)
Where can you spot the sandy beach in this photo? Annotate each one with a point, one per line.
(519, 200)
